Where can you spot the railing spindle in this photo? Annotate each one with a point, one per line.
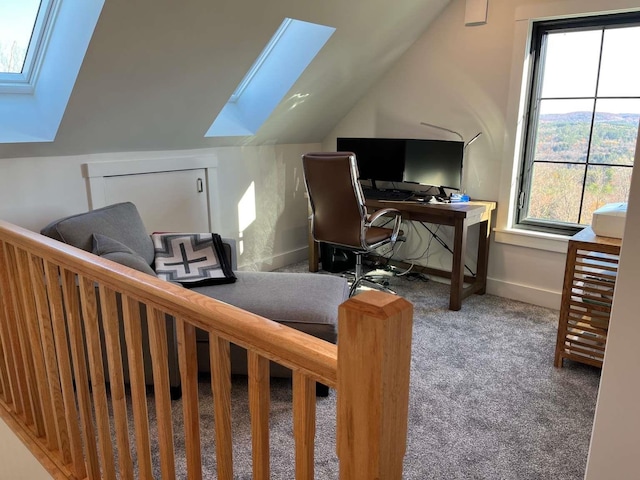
(72, 304)
(188, 361)
(12, 387)
(98, 387)
(304, 424)
(259, 405)
(133, 337)
(109, 309)
(219, 351)
(159, 354)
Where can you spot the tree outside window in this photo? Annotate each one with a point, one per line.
(17, 21)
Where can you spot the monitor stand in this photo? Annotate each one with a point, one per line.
(441, 192)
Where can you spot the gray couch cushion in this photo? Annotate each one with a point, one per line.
(120, 221)
(289, 298)
(107, 247)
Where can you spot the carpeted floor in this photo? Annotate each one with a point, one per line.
(485, 401)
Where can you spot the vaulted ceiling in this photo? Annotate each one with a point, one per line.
(157, 73)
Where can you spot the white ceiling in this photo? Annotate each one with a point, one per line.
(157, 73)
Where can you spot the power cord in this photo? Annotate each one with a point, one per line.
(441, 242)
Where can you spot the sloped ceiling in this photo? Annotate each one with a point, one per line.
(157, 73)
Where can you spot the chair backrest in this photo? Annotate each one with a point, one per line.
(337, 201)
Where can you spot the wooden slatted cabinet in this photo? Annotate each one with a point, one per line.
(589, 281)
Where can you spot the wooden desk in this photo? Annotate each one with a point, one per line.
(458, 215)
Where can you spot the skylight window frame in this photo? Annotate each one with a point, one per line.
(264, 55)
(291, 49)
(24, 82)
(36, 116)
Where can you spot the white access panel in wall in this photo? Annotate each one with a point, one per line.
(174, 191)
(167, 201)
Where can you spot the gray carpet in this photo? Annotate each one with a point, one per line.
(485, 401)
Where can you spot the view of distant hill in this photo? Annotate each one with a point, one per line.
(564, 137)
(575, 117)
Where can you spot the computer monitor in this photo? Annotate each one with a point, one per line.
(436, 163)
(378, 158)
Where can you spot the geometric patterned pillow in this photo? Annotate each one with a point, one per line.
(192, 259)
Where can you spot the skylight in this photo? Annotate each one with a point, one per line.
(291, 49)
(42, 45)
(21, 30)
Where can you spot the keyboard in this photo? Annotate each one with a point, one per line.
(395, 195)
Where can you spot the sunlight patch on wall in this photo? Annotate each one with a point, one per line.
(246, 213)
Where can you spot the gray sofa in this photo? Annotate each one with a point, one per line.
(304, 301)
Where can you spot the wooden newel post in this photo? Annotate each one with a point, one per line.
(374, 357)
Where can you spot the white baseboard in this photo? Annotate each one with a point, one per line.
(500, 288)
(524, 293)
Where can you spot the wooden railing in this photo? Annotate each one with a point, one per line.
(60, 315)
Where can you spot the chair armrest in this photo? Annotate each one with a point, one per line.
(379, 213)
(397, 221)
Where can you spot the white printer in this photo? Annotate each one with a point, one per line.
(608, 221)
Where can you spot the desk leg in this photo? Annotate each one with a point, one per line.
(483, 256)
(457, 270)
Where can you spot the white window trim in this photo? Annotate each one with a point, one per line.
(505, 231)
(549, 242)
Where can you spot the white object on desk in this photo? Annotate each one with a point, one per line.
(608, 221)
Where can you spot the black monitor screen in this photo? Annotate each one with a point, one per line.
(378, 158)
(434, 162)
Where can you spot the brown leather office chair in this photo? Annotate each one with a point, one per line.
(339, 214)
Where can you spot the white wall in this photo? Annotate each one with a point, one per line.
(469, 79)
(36, 191)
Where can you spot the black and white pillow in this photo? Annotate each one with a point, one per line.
(192, 259)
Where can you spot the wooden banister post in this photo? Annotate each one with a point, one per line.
(374, 356)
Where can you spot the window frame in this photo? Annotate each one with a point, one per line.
(24, 81)
(291, 49)
(531, 116)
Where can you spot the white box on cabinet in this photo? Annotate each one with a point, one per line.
(608, 221)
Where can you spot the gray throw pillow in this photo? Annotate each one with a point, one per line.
(121, 222)
(107, 247)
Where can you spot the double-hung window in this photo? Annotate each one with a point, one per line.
(582, 120)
